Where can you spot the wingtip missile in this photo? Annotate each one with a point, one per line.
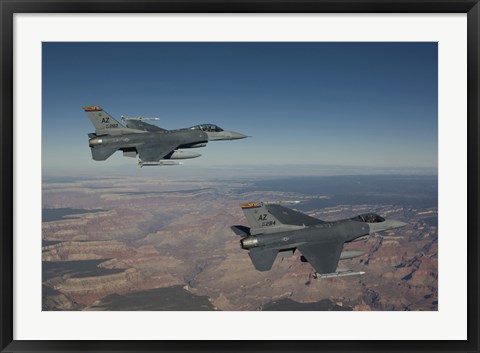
(282, 202)
(140, 118)
(344, 273)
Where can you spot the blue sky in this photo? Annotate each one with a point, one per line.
(345, 104)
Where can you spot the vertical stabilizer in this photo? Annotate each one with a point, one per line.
(270, 218)
(258, 216)
(104, 123)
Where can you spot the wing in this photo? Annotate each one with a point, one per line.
(155, 152)
(323, 257)
(288, 216)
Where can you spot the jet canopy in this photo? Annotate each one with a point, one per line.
(207, 128)
(369, 218)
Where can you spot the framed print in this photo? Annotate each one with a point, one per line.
(239, 176)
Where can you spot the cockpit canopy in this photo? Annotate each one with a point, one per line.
(369, 218)
(207, 128)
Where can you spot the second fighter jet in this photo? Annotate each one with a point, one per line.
(275, 228)
(152, 144)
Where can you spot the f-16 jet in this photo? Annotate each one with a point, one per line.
(277, 229)
(154, 146)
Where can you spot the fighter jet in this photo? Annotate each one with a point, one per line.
(275, 228)
(154, 146)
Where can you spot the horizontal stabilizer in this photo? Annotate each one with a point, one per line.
(263, 259)
(241, 230)
(100, 153)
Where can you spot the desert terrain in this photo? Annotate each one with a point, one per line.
(134, 243)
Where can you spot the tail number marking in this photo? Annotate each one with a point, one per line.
(268, 223)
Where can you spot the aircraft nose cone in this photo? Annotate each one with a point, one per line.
(224, 135)
(397, 224)
(387, 225)
(237, 136)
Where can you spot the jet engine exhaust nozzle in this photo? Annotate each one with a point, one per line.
(249, 242)
(95, 141)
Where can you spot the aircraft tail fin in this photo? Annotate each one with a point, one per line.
(258, 215)
(104, 123)
(264, 217)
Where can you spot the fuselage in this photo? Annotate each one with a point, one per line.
(185, 138)
(328, 232)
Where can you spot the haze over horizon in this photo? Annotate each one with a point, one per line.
(306, 105)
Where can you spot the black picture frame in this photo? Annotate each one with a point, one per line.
(10, 7)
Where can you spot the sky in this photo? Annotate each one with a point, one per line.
(303, 103)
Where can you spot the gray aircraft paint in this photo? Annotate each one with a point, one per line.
(275, 228)
(105, 124)
(151, 146)
(154, 145)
